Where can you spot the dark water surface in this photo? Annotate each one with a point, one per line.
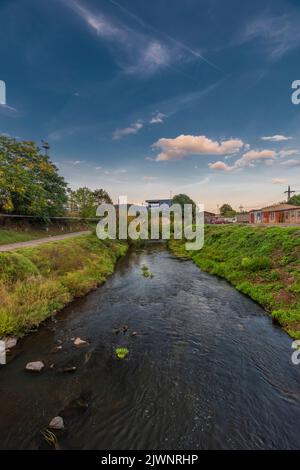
(208, 369)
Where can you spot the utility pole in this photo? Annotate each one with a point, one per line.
(241, 208)
(46, 147)
(289, 192)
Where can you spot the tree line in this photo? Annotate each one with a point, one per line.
(31, 185)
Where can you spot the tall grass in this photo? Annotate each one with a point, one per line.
(37, 282)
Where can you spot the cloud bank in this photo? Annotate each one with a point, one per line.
(185, 145)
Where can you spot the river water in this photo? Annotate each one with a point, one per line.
(207, 370)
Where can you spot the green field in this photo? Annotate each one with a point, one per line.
(14, 236)
(37, 282)
(262, 262)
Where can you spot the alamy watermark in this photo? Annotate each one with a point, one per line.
(2, 93)
(154, 223)
(296, 94)
(296, 354)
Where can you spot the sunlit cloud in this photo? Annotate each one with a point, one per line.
(247, 159)
(185, 145)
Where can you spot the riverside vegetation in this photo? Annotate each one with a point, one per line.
(37, 282)
(261, 262)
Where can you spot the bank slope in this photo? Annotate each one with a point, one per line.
(262, 262)
(37, 282)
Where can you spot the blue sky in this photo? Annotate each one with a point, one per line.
(147, 98)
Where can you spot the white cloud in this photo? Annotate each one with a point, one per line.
(152, 57)
(277, 34)
(276, 138)
(135, 52)
(221, 166)
(291, 163)
(252, 155)
(288, 153)
(279, 180)
(133, 129)
(185, 145)
(247, 159)
(157, 118)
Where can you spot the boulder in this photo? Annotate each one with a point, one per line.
(36, 366)
(56, 423)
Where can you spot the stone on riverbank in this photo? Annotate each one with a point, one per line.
(36, 366)
(57, 423)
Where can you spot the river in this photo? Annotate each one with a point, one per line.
(207, 370)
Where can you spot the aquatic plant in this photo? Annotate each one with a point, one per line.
(121, 353)
(50, 438)
(146, 272)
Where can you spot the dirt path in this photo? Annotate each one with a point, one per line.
(40, 241)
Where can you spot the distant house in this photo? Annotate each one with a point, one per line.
(158, 202)
(276, 214)
(209, 217)
(242, 218)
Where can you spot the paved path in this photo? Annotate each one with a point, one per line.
(40, 241)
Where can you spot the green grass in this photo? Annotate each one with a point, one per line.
(14, 236)
(262, 262)
(37, 282)
(8, 236)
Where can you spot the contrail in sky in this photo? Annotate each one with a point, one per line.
(170, 38)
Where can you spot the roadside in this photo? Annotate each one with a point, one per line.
(39, 241)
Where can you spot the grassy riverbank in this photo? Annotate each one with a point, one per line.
(37, 282)
(262, 262)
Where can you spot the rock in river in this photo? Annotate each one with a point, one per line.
(80, 342)
(10, 343)
(56, 423)
(36, 366)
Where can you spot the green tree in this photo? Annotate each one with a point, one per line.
(182, 199)
(83, 201)
(295, 200)
(227, 211)
(101, 196)
(29, 181)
